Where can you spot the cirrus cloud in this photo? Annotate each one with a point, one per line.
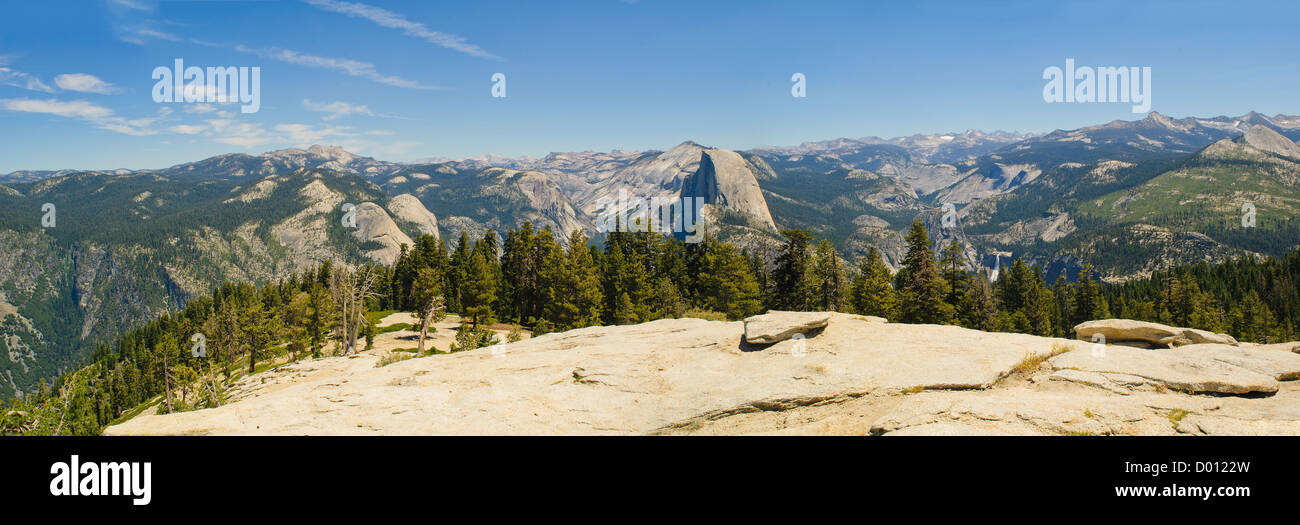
(19, 79)
(337, 109)
(84, 83)
(101, 117)
(72, 109)
(346, 66)
(389, 19)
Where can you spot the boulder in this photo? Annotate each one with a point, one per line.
(1192, 372)
(1123, 330)
(776, 326)
(1279, 364)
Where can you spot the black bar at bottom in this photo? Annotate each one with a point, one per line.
(328, 474)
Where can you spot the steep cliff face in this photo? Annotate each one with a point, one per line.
(654, 175)
(728, 185)
(381, 240)
(128, 247)
(406, 207)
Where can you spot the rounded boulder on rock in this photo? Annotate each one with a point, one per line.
(776, 326)
(1120, 330)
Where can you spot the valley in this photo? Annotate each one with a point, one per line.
(1128, 198)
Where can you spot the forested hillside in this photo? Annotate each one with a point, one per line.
(1116, 202)
(122, 249)
(527, 277)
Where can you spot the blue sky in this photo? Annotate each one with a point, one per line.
(407, 80)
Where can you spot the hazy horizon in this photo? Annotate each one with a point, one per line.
(413, 81)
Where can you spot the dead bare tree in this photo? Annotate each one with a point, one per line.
(351, 289)
(65, 394)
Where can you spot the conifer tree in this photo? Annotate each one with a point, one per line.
(1087, 298)
(1063, 291)
(574, 297)
(478, 292)
(953, 266)
(871, 292)
(458, 267)
(923, 289)
(624, 313)
(320, 307)
(978, 308)
(426, 293)
(830, 278)
(793, 286)
(624, 273)
(727, 282)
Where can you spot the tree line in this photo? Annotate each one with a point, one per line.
(529, 278)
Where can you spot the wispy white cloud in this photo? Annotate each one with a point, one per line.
(346, 66)
(72, 109)
(143, 32)
(84, 83)
(243, 134)
(307, 134)
(138, 5)
(200, 108)
(101, 117)
(337, 109)
(139, 34)
(251, 134)
(389, 19)
(187, 129)
(10, 77)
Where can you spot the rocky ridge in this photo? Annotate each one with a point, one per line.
(850, 375)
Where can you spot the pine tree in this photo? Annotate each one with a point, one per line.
(792, 277)
(923, 289)
(830, 278)
(871, 292)
(457, 269)
(978, 306)
(1252, 320)
(426, 293)
(1087, 297)
(1063, 291)
(169, 352)
(727, 282)
(259, 329)
(321, 313)
(953, 266)
(624, 313)
(624, 273)
(667, 299)
(479, 290)
(574, 296)
(296, 317)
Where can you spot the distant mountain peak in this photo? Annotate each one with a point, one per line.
(329, 151)
(1264, 138)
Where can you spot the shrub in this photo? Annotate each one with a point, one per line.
(516, 334)
(392, 357)
(707, 315)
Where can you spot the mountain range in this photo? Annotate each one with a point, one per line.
(1127, 197)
